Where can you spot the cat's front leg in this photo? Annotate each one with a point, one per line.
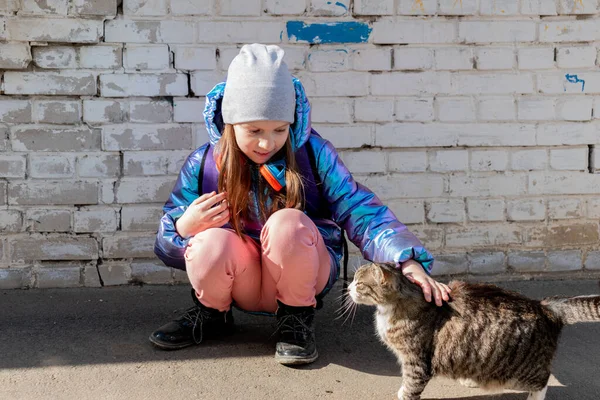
(414, 380)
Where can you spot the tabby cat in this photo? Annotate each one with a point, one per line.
(485, 335)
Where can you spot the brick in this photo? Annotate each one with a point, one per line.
(226, 56)
(189, 110)
(51, 166)
(12, 166)
(191, 7)
(567, 208)
(98, 165)
(240, 7)
(363, 162)
(415, 83)
(398, 186)
(203, 82)
(543, 183)
(15, 111)
(577, 7)
(42, 7)
(114, 273)
(107, 191)
(445, 211)
(146, 57)
(526, 210)
(200, 135)
(536, 57)
(566, 134)
(484, 186)
(574, 108)
(101, 56)
(113, 85)
(325, 8)
(449, 160)
(171, 32)
(529, 160)
(569, 260)
(335, 84)
(410, 7)
(408, 211)
(150, 111)
(389, 31)
(569, 31)
(8, 7)
(95, 220)
(53, 138)
(295, 57)
(331, 110)
(407, 161)
(10, 221)
(329, 60)
(195, 58)
(94, 7)
(53, 248)
(146, 137)
(373, 7)
(489, 160)
(150, 272)
(495, 58)
(352, 136)
(536, 109)
(527, 261)
(373, 110)
(145, 7)
(175, 161)
(14, 278)
(501, 7)
(105, 111)
(592, 261)
(140, 217)
(372, 59)
(450, 264)
(48, 220)
(52, 193)
(57, 57)
(538, 7)
(556, 236)
(180, 277)
(3, 193)
(574, 159)
(144, 163)
(414, 109)
(596, 108)
(285, 7)
(498, 83)
(487, 262)
(52, 83)
(58, 277)
(91, 277)
(14, 55)
(128, 246)
(489, 210)
(454, 58)
(146, 190)
(239, 32)
(496, 109)
(496, 31)
(408, 58)
(576, 57)
(63, 30)
(464, 7)
(57, 111)
(455, 109)
(483, 235)
(561, 83)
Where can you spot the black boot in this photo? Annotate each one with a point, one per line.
(297, 335)
(198, 323)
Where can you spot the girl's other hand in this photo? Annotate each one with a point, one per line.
(415, 273)
(210, 210)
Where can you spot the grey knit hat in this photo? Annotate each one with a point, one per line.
(259, 87)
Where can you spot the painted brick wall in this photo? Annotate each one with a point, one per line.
(476, 121)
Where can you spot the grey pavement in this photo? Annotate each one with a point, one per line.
(92, 344)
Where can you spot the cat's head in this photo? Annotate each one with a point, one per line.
(380, 284)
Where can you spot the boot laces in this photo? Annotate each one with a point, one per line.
(295, 325)
(196, 316)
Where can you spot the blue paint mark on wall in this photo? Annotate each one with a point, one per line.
(332, 32)
(575, 79)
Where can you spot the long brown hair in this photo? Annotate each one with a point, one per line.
(235, 178)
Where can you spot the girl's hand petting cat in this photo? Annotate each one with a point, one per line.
(208, 211)
(415, 273)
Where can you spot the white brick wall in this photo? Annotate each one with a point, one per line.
(475, 121)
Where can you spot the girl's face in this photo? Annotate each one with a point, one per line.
(261, 140)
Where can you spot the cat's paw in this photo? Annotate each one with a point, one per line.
(470, 383)
(401, 393)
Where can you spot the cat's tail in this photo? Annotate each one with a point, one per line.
(575, 309)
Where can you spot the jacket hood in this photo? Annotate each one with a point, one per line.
(300, 129)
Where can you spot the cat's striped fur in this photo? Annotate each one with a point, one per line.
(486, 335)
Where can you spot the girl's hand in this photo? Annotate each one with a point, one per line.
(205, 212)
(415, 273)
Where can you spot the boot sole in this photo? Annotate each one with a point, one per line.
(170, 346)
(296, 360)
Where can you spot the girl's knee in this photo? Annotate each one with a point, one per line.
(287, 224)
(213, 243)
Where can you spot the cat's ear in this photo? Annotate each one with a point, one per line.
(386, 276)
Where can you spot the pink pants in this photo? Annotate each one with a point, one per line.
(291, 265)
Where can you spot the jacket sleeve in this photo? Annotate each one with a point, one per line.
(370, 225)
(169, 246)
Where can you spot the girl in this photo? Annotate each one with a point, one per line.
(255, 215)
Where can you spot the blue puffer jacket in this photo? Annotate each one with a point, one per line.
(370, 225)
